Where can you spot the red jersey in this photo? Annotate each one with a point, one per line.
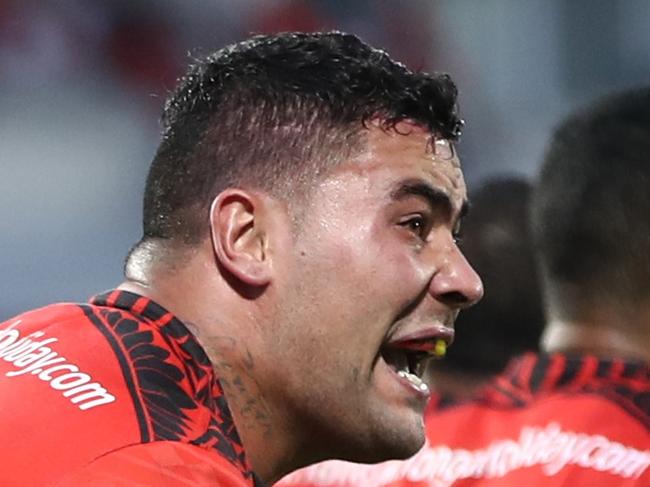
(549, 420)
(112, 393)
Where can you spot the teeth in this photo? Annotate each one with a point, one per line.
(414, 379)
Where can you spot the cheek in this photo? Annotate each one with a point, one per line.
(322, 279)
(355, 272)
(403, 261)
(336, 248)
(405, 273)
(338, 286)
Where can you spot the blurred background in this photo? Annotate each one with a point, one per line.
(82, 83)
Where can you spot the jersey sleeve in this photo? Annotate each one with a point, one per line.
(159, 464)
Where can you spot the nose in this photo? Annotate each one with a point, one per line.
(456, 283)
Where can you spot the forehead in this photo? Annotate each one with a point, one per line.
(405, 152)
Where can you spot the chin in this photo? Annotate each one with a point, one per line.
(402, 450)
(394, 446)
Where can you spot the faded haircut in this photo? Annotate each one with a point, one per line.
(271, 113)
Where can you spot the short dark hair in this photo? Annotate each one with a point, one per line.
(591, 209)
(497, 241)
(269, 111)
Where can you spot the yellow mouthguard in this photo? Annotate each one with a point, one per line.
(440, 349)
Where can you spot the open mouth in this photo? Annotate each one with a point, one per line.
(408, 358)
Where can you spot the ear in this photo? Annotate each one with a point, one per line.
(239, 238)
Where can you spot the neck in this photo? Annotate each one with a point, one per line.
(242, 374)
(608, 341)
(228, 333)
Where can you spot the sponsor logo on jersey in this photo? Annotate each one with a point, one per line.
(32, 355)
(549, 447)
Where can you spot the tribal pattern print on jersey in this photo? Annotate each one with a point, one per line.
(171, 396)
(118, 383)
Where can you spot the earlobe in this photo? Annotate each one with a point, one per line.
(239, 236)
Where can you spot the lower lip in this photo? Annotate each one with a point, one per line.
(408, 385)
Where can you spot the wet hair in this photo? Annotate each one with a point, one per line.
(497, 241)
(591, 209)
(271, 113)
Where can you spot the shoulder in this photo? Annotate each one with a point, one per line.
(57, 346)
(70, 387)
(503, 411)
(163, 464)
(85, 379)
(84, 353)
(560, 432)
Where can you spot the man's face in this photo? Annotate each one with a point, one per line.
(373, 278)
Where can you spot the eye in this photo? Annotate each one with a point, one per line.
(417, 225)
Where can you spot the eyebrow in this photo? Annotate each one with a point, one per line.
(435, 197)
